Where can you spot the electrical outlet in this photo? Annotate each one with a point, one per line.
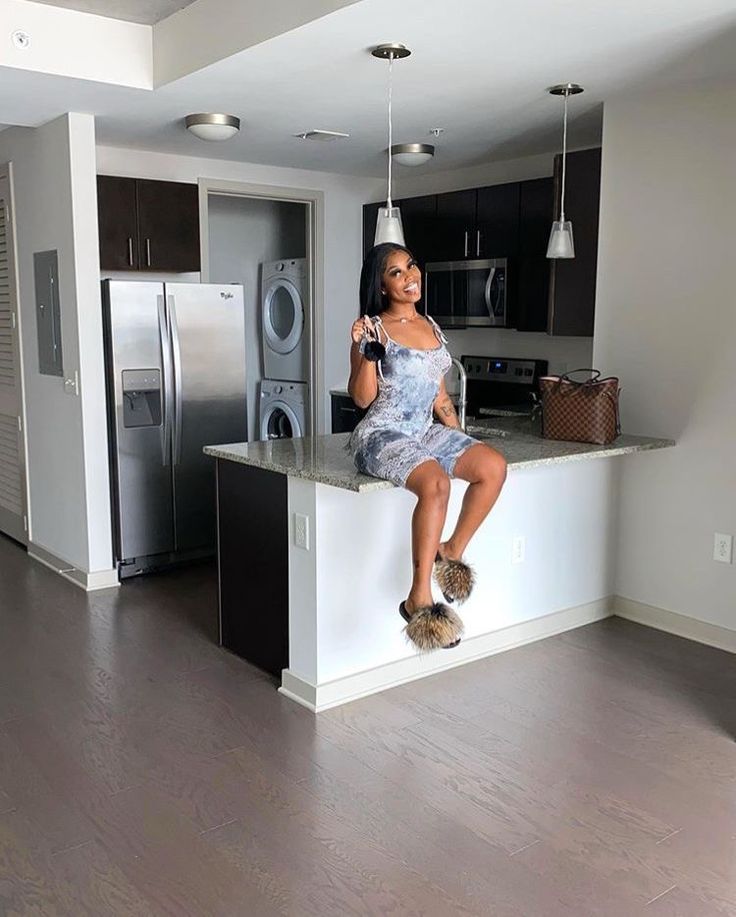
(301, 531)
(723, 548)
(518, 549)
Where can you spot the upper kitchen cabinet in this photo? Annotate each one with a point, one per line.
(496, 233)
(148, 225)
(536, 203)
(572, 282)
(418, 217)
(454, 235)
(118, 223)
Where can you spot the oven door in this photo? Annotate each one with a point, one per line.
(462, 294)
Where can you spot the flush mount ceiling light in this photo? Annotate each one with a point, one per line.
(561, 243)
(388, 224)
(212, 126)
(412, 154)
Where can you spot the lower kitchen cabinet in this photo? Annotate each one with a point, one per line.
(345, 414)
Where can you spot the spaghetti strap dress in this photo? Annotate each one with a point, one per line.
(398, 433)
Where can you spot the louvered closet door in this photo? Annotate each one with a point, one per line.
(12, 455)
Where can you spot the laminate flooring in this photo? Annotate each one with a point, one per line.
(145, 771)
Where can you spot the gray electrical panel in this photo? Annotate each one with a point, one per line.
(48, 313)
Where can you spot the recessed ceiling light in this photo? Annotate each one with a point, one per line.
(323, 136)
(212, 125)
(412, 154)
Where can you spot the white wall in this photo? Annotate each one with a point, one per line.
(56, 208)
(344, 199)
(666, 324)
(243, 233)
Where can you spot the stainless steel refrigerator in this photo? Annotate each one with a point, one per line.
(175, 360)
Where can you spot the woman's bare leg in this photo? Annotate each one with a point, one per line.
(431, 486)
(485, 469)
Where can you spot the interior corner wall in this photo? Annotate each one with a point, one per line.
(344, 196)
(666, 324)
(66, 439)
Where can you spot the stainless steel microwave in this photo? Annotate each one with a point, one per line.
(460, 294)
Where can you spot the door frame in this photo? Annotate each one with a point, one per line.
(315, 203)
(6, 171)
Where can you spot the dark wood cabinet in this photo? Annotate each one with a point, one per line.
(513, 221)
(345, 414)
(572, 282)
(496, 232)
(118, 223)
(454, 233)
(418, 216)
(148, 225)
(532, 266)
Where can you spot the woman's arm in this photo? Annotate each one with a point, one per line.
(444, 409)
(363, 383)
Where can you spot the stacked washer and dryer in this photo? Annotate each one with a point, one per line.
(284, 392)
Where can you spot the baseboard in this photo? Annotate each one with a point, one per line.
(352, 687)
(90, 582)
(674, 623)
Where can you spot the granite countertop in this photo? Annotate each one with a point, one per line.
(326, 460)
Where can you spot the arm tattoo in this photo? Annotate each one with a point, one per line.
(446, 413)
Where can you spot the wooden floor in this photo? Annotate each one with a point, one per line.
(143, 771)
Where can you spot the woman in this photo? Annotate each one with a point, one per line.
(398, 440)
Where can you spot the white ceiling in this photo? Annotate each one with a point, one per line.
(479, 70)
(146, 12)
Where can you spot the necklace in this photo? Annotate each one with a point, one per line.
(404, 321)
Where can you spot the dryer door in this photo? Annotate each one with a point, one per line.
(283, 315)
(280, 422)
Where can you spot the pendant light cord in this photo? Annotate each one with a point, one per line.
(389, 202)
(564, 159)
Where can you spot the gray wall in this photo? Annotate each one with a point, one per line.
(245, 232)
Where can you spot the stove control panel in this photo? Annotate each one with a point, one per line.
(498, 369)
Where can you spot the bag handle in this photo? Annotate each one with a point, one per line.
(594, 379)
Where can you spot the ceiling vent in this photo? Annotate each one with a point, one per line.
(322, 136)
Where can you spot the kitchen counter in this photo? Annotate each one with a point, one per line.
(326, 460)
(314, 558)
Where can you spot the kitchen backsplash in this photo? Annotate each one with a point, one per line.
(562, 353)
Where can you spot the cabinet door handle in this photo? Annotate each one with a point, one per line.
(477, 243)
(466, 243)
(148, 252)
(130, 251)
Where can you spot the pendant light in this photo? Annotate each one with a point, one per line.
(388, 224)
(561, 243)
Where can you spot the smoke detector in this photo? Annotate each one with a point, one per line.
(322, 136)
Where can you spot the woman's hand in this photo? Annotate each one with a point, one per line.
(362, 327)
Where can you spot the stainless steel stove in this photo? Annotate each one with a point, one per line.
(502, 385)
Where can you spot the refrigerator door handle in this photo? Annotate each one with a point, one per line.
(176, 352)
(168, 380)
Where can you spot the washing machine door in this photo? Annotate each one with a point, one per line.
(280, 422)
(283, 315)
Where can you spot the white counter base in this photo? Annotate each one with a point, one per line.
(352, 687)
(345, 633)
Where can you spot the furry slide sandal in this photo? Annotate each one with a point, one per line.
(432, 627)
(454, 577)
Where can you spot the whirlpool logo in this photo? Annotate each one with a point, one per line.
(226, 295)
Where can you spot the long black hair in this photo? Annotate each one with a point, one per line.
(372, 301)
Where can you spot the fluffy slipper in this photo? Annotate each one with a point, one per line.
(432, 627)
(454, 577)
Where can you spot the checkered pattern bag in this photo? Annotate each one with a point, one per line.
(583, 412)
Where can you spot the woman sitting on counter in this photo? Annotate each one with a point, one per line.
(402, 381)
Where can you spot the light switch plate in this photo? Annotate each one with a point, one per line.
(301, 531)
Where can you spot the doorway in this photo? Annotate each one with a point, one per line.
(269, 240)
